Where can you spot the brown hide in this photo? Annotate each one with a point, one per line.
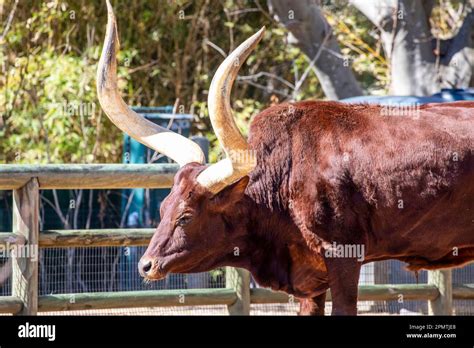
(403, 186)
(328, 172)
(348, 174)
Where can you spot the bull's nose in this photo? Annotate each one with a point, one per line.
(144, 266)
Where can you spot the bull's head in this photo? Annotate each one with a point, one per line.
(193, 231)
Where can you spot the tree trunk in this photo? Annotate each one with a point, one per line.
(418, 66)
(419, 63)
(457, 57)
(309, 30)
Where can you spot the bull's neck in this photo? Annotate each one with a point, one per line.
(263, 250)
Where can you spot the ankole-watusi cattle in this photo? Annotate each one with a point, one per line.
(318, 189)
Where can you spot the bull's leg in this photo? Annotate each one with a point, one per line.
(343, 276)
(313, 306)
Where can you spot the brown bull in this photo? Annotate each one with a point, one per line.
(319, 189)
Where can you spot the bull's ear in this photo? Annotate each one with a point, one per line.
(232, 193)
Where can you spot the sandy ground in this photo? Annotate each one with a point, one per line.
(255, 309)
(274, 309)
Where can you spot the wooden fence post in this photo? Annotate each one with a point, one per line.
(443, 304)
(239, 280)
(25, 260)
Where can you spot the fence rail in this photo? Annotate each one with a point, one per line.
(27, 180)
(88, 176)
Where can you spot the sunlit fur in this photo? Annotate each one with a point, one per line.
(330, 172)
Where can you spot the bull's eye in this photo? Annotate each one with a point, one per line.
(183, 220)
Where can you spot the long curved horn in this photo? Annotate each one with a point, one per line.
(171, 144)
(239, 159)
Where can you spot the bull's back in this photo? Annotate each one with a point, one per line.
(413, 174)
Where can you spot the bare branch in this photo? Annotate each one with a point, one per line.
(9, 21)
(5, 271)
(267, 74)
(143, 67)
(127, 208)
(56, 207)
(217, 48)
(300, 82)
(243, 11)
(267, 89)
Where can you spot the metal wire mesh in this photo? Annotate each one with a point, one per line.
(107, 269)
(460, 276)
(392, 272)
(5, 279)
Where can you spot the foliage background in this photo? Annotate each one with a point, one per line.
(50, 49)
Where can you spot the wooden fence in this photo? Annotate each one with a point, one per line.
(27, 180)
